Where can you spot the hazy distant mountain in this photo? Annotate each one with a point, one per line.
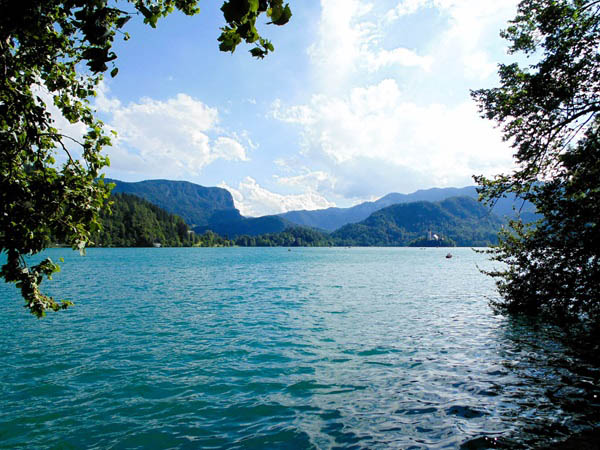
(197, 205)
(461, 220)
(333, 218)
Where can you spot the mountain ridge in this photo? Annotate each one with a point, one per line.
(331, 219)
(212, 208)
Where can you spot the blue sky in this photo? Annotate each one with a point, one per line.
(358, 100)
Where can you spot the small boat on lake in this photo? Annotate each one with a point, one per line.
(449, 255)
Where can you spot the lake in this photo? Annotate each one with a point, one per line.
(270, 348)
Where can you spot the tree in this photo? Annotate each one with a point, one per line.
(549, 113)
(44, 46)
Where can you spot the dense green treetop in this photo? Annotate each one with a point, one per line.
(134, 222)
(63, 48)
(554, 267)
(548, 111)
(292, 237)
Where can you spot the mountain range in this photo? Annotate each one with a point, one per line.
(331, 219)
(212, 208)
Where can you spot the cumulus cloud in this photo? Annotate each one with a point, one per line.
(375, 127)
(472, 26)
(354, 37)
(229, 149)
(176, 137)
(254, 200)
(349, 40)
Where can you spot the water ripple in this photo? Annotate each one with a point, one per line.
(264, 348)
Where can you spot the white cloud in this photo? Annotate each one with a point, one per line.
(253, 200)
(406, 8)
(315, 181)
(349, 40)
(375, 128)
(400, 56)
(173, 138)
(405, 143)
(472, 26)
(229, 149)
(354, 37)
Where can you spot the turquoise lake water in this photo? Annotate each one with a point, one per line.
(270, 348)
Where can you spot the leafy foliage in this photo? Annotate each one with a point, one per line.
(44, 48)
(210, 239)
(549, 113)
(241, 18)
(553, 265)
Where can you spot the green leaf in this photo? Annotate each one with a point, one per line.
(280, 15)
(258, 52)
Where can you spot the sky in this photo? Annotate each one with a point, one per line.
(358, 100)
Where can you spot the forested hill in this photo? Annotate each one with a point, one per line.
(459, 220)
(195, 204)
(135, 222)
(250, 226)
